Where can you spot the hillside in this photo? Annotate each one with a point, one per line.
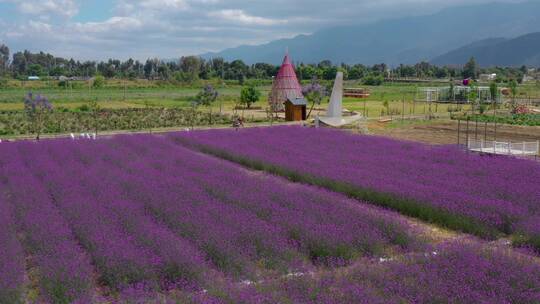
(404, 40)
(523, 50)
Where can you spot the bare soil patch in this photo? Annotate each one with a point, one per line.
(444, 132)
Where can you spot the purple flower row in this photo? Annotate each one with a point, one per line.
(309, 217)
(456, 272)
(11, 257)
(63, 269)
(148, 211)
(498, 192)
(126, 245)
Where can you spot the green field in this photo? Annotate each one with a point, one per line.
(391, 100)
(133, 94)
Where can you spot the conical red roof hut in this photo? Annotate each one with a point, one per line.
(285, 86)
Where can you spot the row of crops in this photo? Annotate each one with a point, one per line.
(141, 210)
(130, 218)
(17, 123)
(482, 195)
(530, 119)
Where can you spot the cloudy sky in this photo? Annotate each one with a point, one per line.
(99, 29)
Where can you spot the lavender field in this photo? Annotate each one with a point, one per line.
(486, 196)
(142, 210)
(141, 219)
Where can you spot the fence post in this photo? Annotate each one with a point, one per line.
(476, 129)
(485, 130)
(459, 130)
(495, 129)
(403, 108)
(365, 112)
(467, 130)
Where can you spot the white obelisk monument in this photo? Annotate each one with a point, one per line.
(335, 109)
(334, 115)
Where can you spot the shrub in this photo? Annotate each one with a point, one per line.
(373, 80)
(99, 82)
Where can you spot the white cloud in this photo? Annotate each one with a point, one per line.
(236, 15)
(121, 24)
(164, 4)
(171, 28)
(39, 27)
(45, 8)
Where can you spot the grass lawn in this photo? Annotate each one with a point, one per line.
(118, 94)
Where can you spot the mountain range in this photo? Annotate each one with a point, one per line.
(405, 40)
(523, 50)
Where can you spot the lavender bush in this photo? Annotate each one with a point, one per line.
(455, 272)
(64, 271)
(11, 258)
(137, 248)
(137, 219)
(482, 195)
(148, 211)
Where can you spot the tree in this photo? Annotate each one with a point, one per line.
(473, 95)
(373, 80)
(99, 81)
(514, 91)
(35, 70)
(237, 70)
(494, 91)
(4, 58)
(249, 95)
(206, 97)
(96, 111)
(386, 105)
(314, 93)
(190, 67)
(513, 88)
(470, 70)
(150, 68)
(330, 73)
(37, 110)
(164, 72)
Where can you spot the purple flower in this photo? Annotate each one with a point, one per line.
(483, 195)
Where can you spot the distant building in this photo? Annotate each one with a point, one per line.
(285, 86)
(487, 77)
(33, 78)
(356, 93)
(72, 78)
(532, 75)
(528, 78)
